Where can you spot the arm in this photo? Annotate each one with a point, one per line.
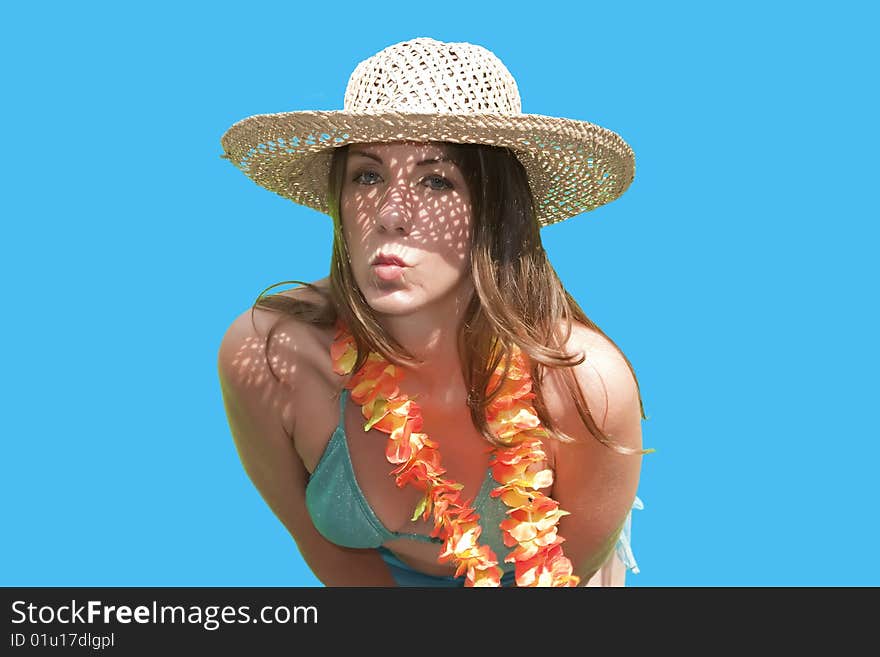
(258, 408)
(596, 484)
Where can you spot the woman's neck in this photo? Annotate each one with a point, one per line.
(431, 335)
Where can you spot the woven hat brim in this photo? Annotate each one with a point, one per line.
(573, 166)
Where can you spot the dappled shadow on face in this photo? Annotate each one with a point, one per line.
(408, 198)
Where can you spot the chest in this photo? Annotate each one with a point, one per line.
(465, 457)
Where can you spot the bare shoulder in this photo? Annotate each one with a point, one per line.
(606, 381)
(593, 482)
(265, 353)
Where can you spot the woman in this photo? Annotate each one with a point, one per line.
(442, 346)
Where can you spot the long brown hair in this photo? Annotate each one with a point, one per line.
(518, 298)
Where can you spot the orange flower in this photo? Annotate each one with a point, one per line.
(394, 414)
(519, 476)
(532, 528)
(484, 576)
(518, 367)
(420, 470)
(511, 390)
(481, 568)
(508, 420)
(437, 499)
(479, 562)
(549, 568)
(402, 445)
(529, 451)
(376, 378)
(512, 497)
(444, 500)
(343, 353)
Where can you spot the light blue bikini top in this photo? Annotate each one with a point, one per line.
(342, 515)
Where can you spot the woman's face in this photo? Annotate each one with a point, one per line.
(406, 217)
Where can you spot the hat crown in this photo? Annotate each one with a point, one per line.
(426, 76)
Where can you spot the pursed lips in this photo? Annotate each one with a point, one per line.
(389, 260)
(388, 267)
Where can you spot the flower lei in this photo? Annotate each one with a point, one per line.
(532, 517)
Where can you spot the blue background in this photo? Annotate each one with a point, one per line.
(735, 273)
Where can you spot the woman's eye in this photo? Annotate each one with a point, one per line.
(438, 183)
(367, 178)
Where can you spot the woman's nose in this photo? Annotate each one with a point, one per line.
(396, 210)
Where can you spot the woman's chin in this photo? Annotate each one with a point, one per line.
(395, 303)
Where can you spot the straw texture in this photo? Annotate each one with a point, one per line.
(428, 90)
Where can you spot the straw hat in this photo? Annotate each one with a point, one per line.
(428, 90)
